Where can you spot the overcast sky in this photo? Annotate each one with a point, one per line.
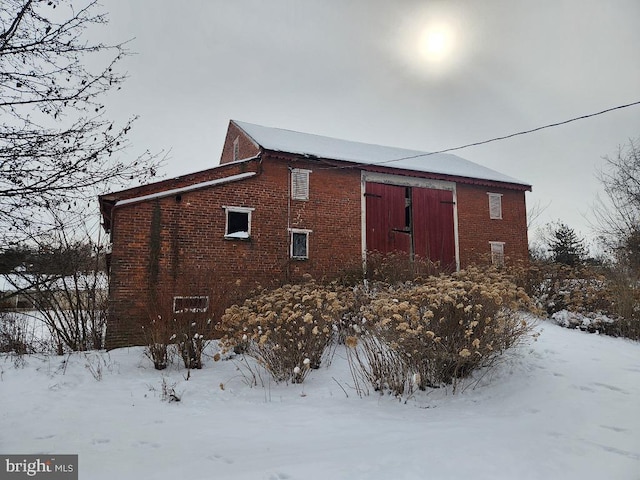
(425, 75)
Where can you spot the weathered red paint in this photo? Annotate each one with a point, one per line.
(387, 230)
(413, 220)
(433, 226)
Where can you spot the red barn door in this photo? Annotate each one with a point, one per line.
(433, 229)
(387, 229)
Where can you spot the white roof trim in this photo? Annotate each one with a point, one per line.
(189, 188)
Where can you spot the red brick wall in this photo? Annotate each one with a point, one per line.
(476, 229)
(173, 242)
(187, 237)
(247, 148)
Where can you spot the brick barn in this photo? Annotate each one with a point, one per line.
(283, 204)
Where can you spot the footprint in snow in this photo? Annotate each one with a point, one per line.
(143, 443)
(610, 387)
(279, 476)
(584, 388)
(615, 429)
(100, 441)
(216, 457)
(617, 451)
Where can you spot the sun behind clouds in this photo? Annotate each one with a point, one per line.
(432, 42)
(436, 43)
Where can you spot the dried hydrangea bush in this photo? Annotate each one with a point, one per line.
(287, 330)
(399, 337)
(429, 334)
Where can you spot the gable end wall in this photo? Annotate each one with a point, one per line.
(170, 243)
(247, 148)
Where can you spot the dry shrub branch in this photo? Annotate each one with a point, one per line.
(438, 331)
(594, 298)
(287, 330)
(182, 318)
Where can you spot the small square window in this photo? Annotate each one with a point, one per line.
(190, 304)
(497, 253)
(300, 244)
(495, 206)
(300, 184)
(238, 222)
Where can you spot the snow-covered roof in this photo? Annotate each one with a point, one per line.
(289, 141)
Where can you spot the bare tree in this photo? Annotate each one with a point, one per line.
(67, 286)
(57, 147)
(618, 214)
(534, 212)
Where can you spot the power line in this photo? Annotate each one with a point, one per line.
(504, 137)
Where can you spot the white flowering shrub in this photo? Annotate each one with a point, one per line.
(419, 335)
(287, 329)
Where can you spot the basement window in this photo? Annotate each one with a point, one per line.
(495, 206)
(497, 253)
(238, 222)
(300, 184)
(190, 304)
(300, 244)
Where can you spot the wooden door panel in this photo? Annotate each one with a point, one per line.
(433, 228)
(386, 224)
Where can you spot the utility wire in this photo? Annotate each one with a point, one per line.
(496, 139)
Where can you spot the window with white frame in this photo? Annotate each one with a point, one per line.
(236, 149)
(495, 206)
(497, 253)
(299, 243)
(300, 184)
(238, 222)
(190, 304)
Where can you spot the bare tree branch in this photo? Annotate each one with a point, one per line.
(618, 213)
(57, 147)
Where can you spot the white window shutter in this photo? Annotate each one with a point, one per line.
(236, 149)
(495, 206)
(300, 184)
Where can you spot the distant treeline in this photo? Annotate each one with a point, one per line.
(64, 260)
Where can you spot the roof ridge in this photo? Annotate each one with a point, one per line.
(297, 132)
(321, 146)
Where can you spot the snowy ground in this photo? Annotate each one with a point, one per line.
(564, 407)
